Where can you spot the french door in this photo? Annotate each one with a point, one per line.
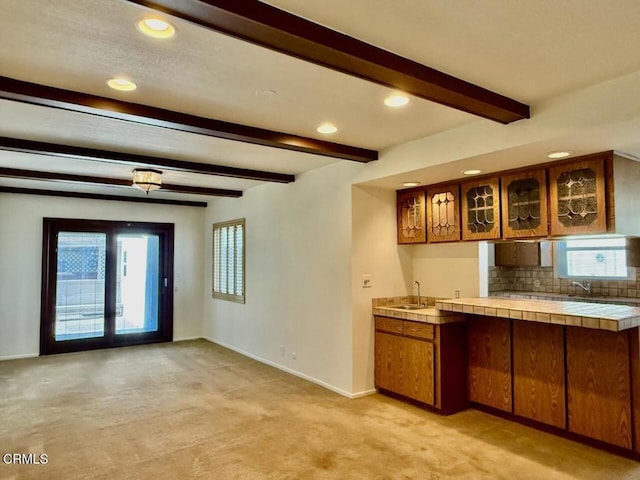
(105, 284)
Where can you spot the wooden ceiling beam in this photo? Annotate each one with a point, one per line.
(56, 150)
(112, 182)
(270, 27)
(100, 196)
(36, 94)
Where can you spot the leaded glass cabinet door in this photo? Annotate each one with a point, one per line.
(524, 205)
(481, 209)
(411, 218)
(577, 198)
(443, 214)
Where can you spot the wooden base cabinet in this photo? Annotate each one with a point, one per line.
(489, 352)
(599, 385)
(422, 362)
(417, 370)
(538, 372)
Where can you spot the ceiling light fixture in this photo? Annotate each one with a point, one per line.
(327, 128)
(147, 179)
(396, 100)
(410, 184)
(559, 154)
(156, 28)
(472, 172)
(122, 84)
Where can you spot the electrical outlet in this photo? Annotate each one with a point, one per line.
(536, 283)
(457, 293)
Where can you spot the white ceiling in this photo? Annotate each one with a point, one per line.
(530, 51)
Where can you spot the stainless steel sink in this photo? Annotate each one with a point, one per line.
(408, 306)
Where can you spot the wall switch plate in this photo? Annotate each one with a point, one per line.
(366, 280)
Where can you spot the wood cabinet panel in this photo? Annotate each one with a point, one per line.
(577, 198)
(417, 370)
(443, 214)
(598, 385)
(481, 209)
(427, 363)
(411, 216)
(634, 353)
(388, 362)
(538, 372)
(417, 329)
(489, 361)
(524, 204)
(390, 325)
(517, 254)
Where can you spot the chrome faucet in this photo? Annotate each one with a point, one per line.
(586, 286)
(415, 282)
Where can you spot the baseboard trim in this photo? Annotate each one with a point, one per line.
(364, 393)
(18, 357)
(304, 376)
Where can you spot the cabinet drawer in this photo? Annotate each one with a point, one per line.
(418, 330)
(390, 325)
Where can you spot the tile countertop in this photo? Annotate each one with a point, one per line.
(580, 314)
(424, 315)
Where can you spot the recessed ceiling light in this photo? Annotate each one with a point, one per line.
(396, 100)
(122, 84)
(563, 154)
(410, 184)
(327, 128)
(472, 172)
(156, 28)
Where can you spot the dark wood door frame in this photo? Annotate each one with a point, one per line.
(51, 226)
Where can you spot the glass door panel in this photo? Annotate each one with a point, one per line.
(80, 286)
(137, 283)
(105, 284)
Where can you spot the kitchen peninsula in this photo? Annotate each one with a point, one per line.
(572, 368)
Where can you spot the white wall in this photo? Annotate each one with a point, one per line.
(20, 261)
(444, 268)
(298, 274)
(375, 252)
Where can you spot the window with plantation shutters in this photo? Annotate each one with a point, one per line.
(228, 260)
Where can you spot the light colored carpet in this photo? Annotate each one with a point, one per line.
(197, 410)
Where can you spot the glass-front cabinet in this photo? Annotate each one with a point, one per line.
(481, 209)
(577, 198)
(443, 213)
(411, 216)
(524, 204)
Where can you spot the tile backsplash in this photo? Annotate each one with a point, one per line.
(541, 279)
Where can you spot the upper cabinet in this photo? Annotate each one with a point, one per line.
(443, 214)
(577, 198)
(411, 217)
(593, 194)
(524, 204)
(481, 209)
